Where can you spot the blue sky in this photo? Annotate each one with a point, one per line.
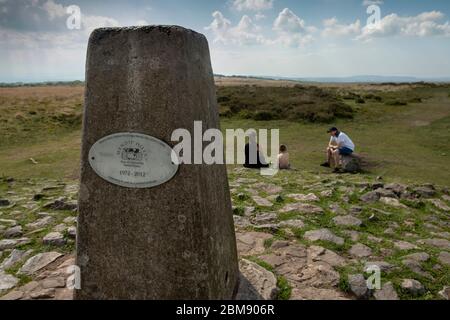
(294, 38)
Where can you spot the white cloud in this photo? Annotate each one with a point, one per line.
(89, 23)
(252, 5)
(367, 3)
(54, 10)
(259, 16)
(333, 28)
(292, 30)
(287, 21)
(422, 25)
(245, 33)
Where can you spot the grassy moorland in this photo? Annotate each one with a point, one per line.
(402, 131)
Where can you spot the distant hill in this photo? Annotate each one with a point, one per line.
(353, 79)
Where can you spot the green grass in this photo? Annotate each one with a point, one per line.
(401, 143)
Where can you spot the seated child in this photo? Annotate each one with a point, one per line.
(283, 158)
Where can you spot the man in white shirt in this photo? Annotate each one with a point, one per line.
(340, 145)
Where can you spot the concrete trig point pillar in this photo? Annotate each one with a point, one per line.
(149, 229)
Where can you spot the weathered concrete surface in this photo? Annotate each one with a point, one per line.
(174, 241)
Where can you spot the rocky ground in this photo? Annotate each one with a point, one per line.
(299, 235)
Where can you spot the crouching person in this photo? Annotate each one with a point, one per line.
(340, 145)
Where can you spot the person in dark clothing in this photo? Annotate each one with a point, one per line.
(254, 159)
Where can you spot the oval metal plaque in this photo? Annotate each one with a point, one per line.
(133, 160)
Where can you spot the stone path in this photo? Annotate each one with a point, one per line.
(299, 236)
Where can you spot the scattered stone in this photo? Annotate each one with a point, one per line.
(43, 294)
(385, 193)
(319, 275)
(335, 208)
(40, 223)
(354, 235)
(444, 258)
(311, 293)
(297, 224)
(9, 222)
(268, 188)
(38, 262)
(6, 244)
(302, 208)
(419, 257)
(323, 235)
(358, 286)
(258, 279)
(240, 222)
(393, 202)
(54, 239)
(304, 197)
(49, 283)
(264, 218)
(370, 197)
(60, 228)
(438, 243)
(7, 281)
(13, 295)
(382, 265)
(403, 245)
(445, 293)
(440, 205)
(360, 250)
(413, 287)
(13, 232)
(262, 202)
(425, 191)
(326, 193)
(386, 293)
(72, 232)
(70, 220)
(320, 254)
(374, 239)
(398, 189)
(251, 243)
(348, 221)
(15, 257)
(356, 210)
(62, 204)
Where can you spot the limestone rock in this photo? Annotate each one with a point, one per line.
(413, 287)
(304, 197)
(13, 232)
(302, 208)
(38, 262)
(382, 265)
(62, 204)
(444, 258)
(251, 243)
(15, 257)
(370, 197)
(351, 163)
(358, 286)
(360, 250)
(419, 256)
(386, 293)
(425, 191)
(264, 218)
(259, 279)
(54, 239)
(40, 223)
(43, 294)
(445, 293)
(438, 243)
(440, 205)
(323, 235)
(347, 221)
(311, 293)
(393, 202)
(320, 254)
(6, 244)
(262, 202)
(403, 245)
(319, 275)
(72, 232)
(296, 224)
(7, 281)
(13, 295)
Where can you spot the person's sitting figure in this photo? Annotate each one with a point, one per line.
(283, 158)
(254, 159)
(340, 145)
